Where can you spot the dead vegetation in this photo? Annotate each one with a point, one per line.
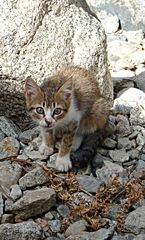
(123, 193)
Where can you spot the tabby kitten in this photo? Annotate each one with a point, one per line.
(67, 106)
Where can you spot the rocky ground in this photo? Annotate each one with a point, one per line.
(36, 202)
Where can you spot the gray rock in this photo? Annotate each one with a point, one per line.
(131, 98)
(9, 173)
(33, 178)
(109, 168)
(28, 135)
(137, 115)
(34, 154)
(121, 106)
(26, 230)
(16, 192)
(123, 128)
(8, 205)
(134, 154)
(63, 210)
(135, 220)
(140, 140)
(54, 225)
(124, 143)
(101, 234)
(81, 195)
(140, 237)
(34, 202)
(119, 155)
(142, 157)
(88, 183)
(2, 135)
(9, 128)
(9, 146)
(139, 80)
(76, 228)
(133, 135)
(125, 237)
(130, 12)
(109, 143)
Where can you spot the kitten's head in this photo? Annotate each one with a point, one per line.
(46, 105)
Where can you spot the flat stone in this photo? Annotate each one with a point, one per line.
(88, 183)
(9, 146)
(109, 143)
(76, 228)
(26, 230)
(101, 234)
(28, 135)
(124, 143)
(9, 128)
(125, 237)
(33, 178)
(134, 154)
(63, 210)
(123, 128)
(135, 220)
(140, 140)
(34, 155)
(133, 135)
(16, 192)
(119, 155)
(34, 202)
(109, 168)
(9, 173)
(140, 237)
(54, 225)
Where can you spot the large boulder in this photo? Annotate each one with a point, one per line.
(130, 13)
(38, 37)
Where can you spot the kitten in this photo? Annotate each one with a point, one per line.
(67, 106)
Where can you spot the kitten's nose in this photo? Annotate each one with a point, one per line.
(49, 122)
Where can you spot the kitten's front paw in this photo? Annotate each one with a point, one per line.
(45, 150)
(63, 164)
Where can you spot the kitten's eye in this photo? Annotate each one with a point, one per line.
(40, 110)
(57, 111)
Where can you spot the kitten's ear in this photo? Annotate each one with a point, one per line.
(66, 90)
(31, 87)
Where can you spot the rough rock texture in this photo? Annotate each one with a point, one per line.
(54, 33)
(9, 174)
(136, 220)
(130, 12)
(25, 230)
(34, 202)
